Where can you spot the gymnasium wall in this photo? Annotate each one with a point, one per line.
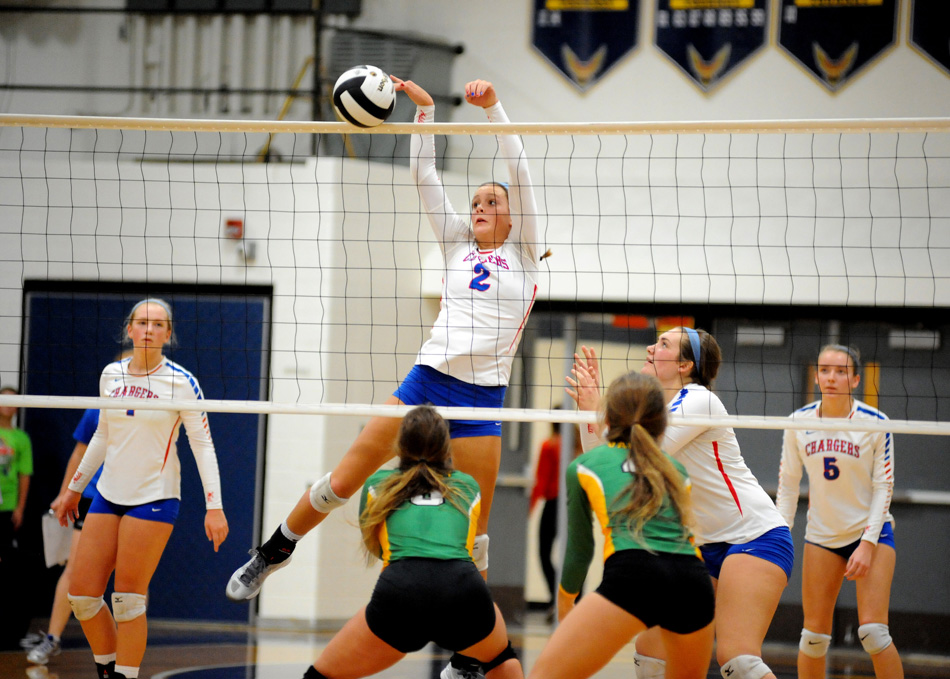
(301, 224)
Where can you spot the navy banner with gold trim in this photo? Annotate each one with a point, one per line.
(930, 30)
(707, 39)
(834, 40)
(583, 39)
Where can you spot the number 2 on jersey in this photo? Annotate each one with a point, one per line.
(481, 275)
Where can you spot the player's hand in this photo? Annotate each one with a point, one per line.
(590, 362)
(860, 562)
(481, 93)
(416, 94)
(585, 380)
(66, 507)
(216, 526)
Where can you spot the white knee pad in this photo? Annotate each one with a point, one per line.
(127, 606)
(875, 637)
(744, 667)
(322, 497)
(480, 552)
(647, 667)
(814, 645)
(85, 607)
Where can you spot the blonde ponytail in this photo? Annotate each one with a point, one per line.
(636, 415)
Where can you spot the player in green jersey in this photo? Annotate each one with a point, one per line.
(420, 520)
(653, 575)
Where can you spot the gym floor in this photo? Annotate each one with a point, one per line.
(206, 651)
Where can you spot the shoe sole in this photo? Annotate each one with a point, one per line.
(235, 599)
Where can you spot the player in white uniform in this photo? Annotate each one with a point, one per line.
(131, 518)
(488, 289)
(745, 542)
(849, 534)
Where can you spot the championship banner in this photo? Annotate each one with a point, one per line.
(584, 39)
(708, 39)
(930, 31)
(835, 39)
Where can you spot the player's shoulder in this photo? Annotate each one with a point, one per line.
(379, 476)
(695, 399)
(179, 372)
(116, 368)
(463, 480)
(376, 479)
(604, 454)
(865, 412)
(177, 369)
(810, 410)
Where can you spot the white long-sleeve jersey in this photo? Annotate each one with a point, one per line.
(138, 448)
(486, 294)
(728, 503)
(850, 478)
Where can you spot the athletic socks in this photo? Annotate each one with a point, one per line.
(280, 545)
(312, 673)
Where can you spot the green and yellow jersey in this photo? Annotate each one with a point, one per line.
(597, 484)
(428, 526)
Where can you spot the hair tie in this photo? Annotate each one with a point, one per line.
(695, 344)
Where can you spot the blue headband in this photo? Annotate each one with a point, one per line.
(505, 184)
(695, 344)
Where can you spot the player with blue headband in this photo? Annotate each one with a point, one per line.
(746, 544)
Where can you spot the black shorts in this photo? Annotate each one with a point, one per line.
(673, 591)
(84, 503)
(421, 600)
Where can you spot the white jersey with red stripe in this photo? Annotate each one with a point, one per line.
(138, 448)
(728, 502)
(850, 478)
(486, 294)
(729, 505)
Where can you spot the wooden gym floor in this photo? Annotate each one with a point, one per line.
(207, 651)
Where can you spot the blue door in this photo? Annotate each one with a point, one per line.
(223, 336)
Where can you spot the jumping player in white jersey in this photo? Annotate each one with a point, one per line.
(746, 544)
(849, 534)
(490, 262)
(130, 520)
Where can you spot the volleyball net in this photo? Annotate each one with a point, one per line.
(307, 284)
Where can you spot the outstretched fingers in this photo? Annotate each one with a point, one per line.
(586, 390)
(416, 94)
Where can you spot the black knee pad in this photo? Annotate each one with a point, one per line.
(504, 656)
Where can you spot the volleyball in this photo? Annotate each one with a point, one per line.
(364, 96)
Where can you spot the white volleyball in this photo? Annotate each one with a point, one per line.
(364, 96)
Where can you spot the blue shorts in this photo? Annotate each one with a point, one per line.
(165, 511)
(886, 538)
(775, 546)
(425, 385)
